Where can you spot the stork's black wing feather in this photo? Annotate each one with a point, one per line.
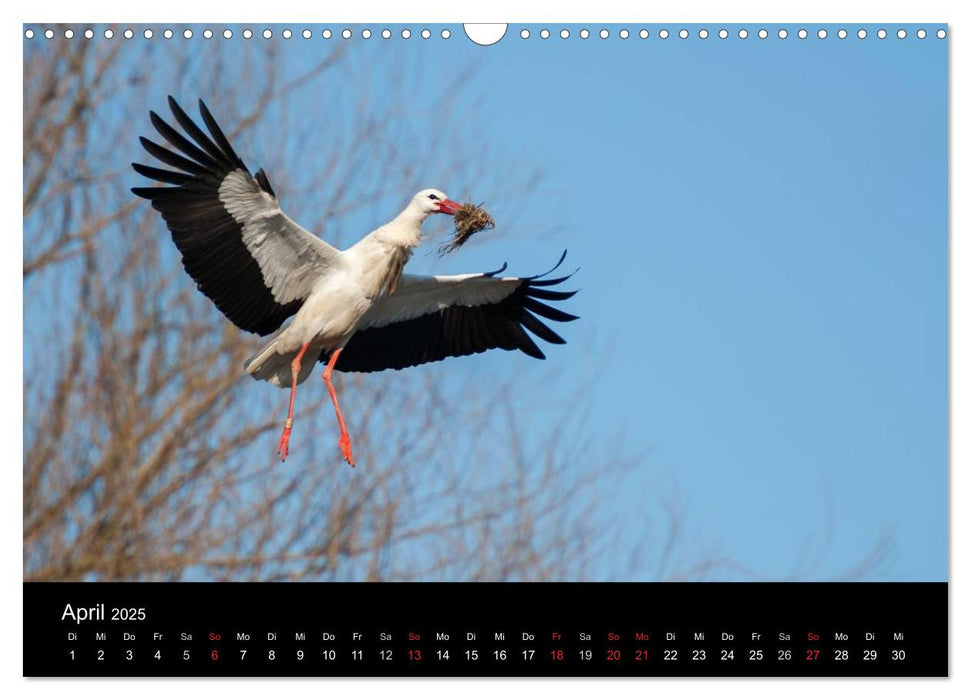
(244, 253)
(431, 318)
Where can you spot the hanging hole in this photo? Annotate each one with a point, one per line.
(486, 34)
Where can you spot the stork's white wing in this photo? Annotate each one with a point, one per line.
(431, 318)
(250, 258)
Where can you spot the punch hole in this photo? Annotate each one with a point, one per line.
(29, 34)
(763, 34)
(446, 33)
(861, 33)
(346, 33)
(207, 34)
(821, 34)
(604, 33)
(643, 34)
(921, 34)
(129, 34)
(841, 33)
(148, 34)
(68, 33)
(803, 33)
(327, 34)
(307, 34)
(901, 33)
(365, 33)
(584, 33)
(287, 34)
(187, 34)
(624, 33)
(487, 34)
(405, 33)
(109, 34)
(89, 34)
(247, 33)
(425, 34)
(227, 34)
(267, 34)
(783, 33)
(544, 34)
(564, 33)
(663, 34)
(524, 34)
(743, 33)
(702, 33)
(722, 33)
(49, 34)
(941, 33)
(881, 34)
(385, 33)
(168, 33)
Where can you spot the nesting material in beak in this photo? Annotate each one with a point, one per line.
(469, 220)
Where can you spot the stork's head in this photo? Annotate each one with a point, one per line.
(433, 201)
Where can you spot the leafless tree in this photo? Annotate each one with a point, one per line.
(147, 453)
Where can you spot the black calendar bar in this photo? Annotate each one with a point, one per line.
(555, 629)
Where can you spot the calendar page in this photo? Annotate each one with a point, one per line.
(485, 350)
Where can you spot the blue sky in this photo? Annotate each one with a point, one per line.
(761, 226)
(761, 231)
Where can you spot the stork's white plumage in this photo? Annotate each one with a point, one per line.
(352, 309)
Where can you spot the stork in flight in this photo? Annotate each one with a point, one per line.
(352, 309)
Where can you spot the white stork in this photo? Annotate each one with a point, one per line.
(352, 309)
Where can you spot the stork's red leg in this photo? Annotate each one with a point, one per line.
(283, 446)
(345, 440)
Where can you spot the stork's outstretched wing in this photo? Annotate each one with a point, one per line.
(250, 258)
(430, 318)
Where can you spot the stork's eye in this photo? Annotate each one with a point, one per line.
(433, 196)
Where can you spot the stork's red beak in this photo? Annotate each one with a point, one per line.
(447, 206)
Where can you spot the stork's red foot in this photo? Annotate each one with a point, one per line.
(345, 444)
(283, 447)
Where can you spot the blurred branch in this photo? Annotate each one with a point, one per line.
(147, 452)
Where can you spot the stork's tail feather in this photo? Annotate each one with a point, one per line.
(274, 367)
